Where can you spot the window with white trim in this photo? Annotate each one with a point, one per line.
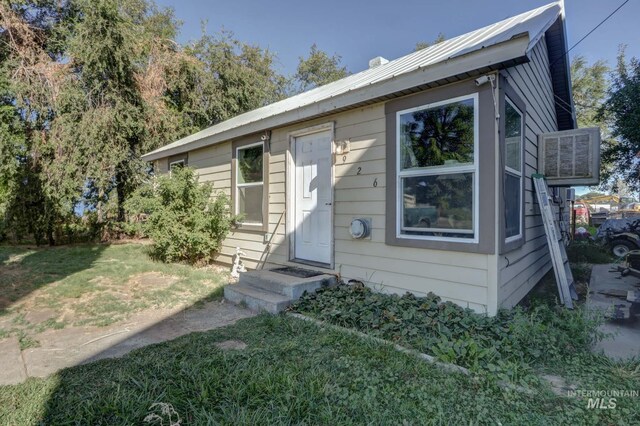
(438, 170)
(176, 165)
(249, 191)
(513, 171)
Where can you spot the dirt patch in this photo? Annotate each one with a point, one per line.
(153, 280)
(41, 315)
(235, 345)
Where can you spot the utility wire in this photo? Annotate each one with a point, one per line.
(590, 32)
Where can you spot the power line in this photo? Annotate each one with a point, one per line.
(590, 32)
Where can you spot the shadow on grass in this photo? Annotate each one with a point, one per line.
(100, 388)
(24, 270)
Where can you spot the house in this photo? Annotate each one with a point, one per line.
(413, 175)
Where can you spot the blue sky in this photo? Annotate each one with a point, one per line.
(361, 30)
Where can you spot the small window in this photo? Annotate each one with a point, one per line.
(176, 165)
(250, 183)
(513, 171)
(437, 170)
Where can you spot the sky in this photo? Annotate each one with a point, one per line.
(361, 30)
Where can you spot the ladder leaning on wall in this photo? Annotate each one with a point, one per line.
(561, 267)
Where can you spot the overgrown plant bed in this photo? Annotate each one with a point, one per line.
(510, 344)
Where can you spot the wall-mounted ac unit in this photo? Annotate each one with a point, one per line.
(570, 157)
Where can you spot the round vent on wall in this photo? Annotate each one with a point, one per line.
(360, 228)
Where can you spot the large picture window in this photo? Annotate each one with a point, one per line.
(513, 171)
(437, 170)
(249, 188)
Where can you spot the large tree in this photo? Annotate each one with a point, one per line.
(622, 112)
(238, 77)
(589, 88)
(318, 69)
(93, 84)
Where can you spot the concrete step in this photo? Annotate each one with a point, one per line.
(256, 299)
(286, 285)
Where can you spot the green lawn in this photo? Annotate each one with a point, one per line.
(92, 285)
(292, 372)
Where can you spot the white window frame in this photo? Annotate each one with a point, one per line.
(171, 164)
(248, 185)
(514, 172)
(440, 170)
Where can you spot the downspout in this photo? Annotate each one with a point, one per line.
(493, 270)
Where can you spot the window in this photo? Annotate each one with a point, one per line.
(513, 171)
(177, 161)
(249, 190)
(176, 165)
(437, 170)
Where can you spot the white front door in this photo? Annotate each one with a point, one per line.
(313, 198)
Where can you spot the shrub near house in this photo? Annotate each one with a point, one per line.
(185, 220)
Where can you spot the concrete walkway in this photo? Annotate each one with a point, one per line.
(607, 291)
(71, 346)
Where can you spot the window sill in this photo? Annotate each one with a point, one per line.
(251, 227)
(511, 245)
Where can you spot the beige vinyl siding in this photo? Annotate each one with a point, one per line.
(458, 277)
(521, 269)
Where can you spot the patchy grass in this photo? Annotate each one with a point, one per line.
(93, 285)
(291, 372)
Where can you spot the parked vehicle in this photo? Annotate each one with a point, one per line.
(620, 235)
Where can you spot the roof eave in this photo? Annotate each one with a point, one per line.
(494, 57)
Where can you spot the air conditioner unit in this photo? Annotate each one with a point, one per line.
(570, 157)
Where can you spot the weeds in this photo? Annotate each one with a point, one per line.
(588, 251)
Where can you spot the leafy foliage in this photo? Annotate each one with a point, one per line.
(589, 89)
(454, 334)
(622, 110)
(588, 251)
(319, 69)
(87, 86)
(183, 219)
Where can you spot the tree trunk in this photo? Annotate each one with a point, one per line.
(120, 188)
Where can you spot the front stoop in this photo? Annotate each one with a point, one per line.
(273, 292)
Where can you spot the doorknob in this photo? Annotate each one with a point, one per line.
(328, 204)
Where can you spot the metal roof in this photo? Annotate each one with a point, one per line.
(489, 46)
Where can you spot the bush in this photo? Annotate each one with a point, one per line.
(181, 216)
(588, 251)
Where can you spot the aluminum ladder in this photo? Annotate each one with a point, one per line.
(561, 267)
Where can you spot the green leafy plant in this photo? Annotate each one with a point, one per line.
(588, 251)
(183, 217)
(518, 337)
